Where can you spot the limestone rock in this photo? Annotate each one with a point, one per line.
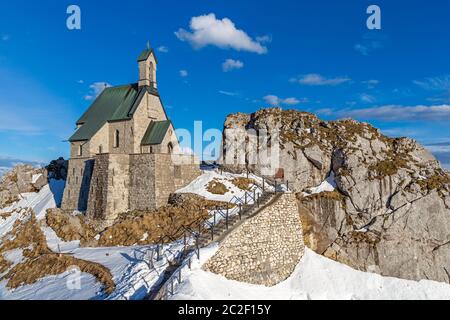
(21, 179)
(390, 213)
(316, 156)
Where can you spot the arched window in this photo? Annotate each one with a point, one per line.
(100, 149)
(170, 148)
(116, 139)
(80, 150)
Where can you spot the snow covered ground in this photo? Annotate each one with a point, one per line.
(130, 266)
(198, 186)
(328, 185)
(315, 278)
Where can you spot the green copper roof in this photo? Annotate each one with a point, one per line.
(145, 54)
(113, 104)
(155, 133)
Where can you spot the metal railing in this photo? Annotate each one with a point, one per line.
(250, 200)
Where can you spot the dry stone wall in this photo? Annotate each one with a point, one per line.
(142, 181)
(110, 184)
(76, 192)
(265, 249)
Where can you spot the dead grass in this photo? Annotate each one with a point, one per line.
(138, 227)
(389, 167)
(165, 224)
(70, 228)
(216, 187)
(435, 182)
(39, 260)
(332, 195)
(5, 215)
(49, 264)
(243, 183)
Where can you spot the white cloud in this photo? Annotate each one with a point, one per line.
(163, 49)
(208, 30)
(400, 113)
(367, 98)
(441, 83)
(369, 43)
(314, 79)
(371, 83)
(96, 89)
(80, 81)
(231, 64)
(325, 111)
(228, 93)
(183, 73)
(277, 101)
(5, 37)
(264, 39)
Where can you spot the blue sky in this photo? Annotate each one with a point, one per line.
(315, 56)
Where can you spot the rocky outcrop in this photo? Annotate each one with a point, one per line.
(21, 179)
(26, 178)
(390, 212)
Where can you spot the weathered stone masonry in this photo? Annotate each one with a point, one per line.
(265, 249)
(125, 154)
(110, 184)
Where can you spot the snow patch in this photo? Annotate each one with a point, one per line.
(315, 278)
(199, 185)
(35, 177)
(328, 185)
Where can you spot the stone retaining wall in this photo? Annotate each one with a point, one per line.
(76, 192)
(265, 249)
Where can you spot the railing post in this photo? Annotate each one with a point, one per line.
(226, 219)
(158, 256)
(171, 287)
(275, 186)
(179, 276)
(264, 182)
(240, 211)
(245, 197)
(212, 233)
(198, 249)
(287, 185)
(189, 263)
(254, 196)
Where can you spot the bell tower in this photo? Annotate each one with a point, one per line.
(147, 68)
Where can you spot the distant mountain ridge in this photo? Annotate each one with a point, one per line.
(6, 164)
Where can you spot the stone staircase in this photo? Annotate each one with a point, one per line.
(218, 232)
(221, 230)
